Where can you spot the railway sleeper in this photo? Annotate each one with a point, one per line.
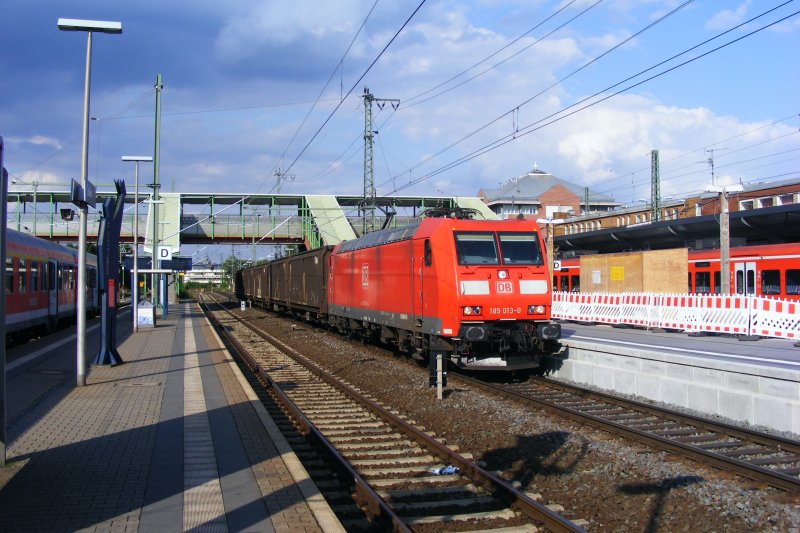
(347, 438)
(335, 414)
(387, 454)
(392, 461)
(744, 452)
(412, 471)
(503, 514)
(773, 460)
(373, 445)
(351, 432)
(677, 432)
(449, 506)
(430, 493)
(419, 480)
(344, 423)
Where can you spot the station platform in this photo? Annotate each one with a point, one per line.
(752, 380)
(174, 439)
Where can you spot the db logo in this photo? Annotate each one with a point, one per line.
(505, 287)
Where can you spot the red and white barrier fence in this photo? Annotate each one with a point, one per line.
(738, 315)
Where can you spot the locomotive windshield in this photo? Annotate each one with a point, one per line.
(476, 249)
(520, 249)
(481, 248)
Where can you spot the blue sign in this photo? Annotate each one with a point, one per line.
(177, 264)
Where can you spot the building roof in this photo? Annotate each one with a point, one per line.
(529, 187)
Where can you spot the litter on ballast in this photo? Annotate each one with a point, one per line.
(445, 471)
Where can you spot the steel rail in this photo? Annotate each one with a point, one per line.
(377, 509)
(515, 499)
(749, 470)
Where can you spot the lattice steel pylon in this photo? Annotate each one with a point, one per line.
(368, 203)
(655, 187)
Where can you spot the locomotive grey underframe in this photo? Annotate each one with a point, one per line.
(432, 327)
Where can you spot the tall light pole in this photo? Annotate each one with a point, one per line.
(135, 285)
(724, 235)
(90, 27)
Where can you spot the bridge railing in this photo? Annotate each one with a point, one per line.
(734, 314)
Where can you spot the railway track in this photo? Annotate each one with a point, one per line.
(759, 456)
(402, 477)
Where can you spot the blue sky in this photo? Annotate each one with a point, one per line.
(240, 77)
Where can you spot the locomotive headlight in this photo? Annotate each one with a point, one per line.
(472, 310)
(502, 274)
(467, 310)
(536, 309)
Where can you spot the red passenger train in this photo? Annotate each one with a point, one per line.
(475, 291)
(40, 283)
(764, 270)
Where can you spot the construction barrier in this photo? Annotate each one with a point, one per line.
(733, 314)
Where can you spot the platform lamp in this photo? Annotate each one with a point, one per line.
(90, 27)
(135, 285)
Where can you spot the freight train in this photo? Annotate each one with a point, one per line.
(475, 291)
(41, 284)
(765, 270)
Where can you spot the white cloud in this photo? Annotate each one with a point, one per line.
(41, 140)
(728, 17)
(279, 23)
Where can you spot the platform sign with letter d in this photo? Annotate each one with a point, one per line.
(164, 252)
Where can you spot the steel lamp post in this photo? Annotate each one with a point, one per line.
(90, 27)
(135, 285)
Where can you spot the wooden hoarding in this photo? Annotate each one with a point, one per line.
(658, 271)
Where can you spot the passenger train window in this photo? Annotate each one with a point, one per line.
(476, 249)
(9, 274)
(739, 282)
(702, 282)
(564, 284)
(770, 282)
(576, 283)
(22, 274)
(34, 276)
(717, 283)
(793, 281)
(751, 281)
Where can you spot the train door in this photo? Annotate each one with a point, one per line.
(745, 278)
(419, 259)
(52, 294)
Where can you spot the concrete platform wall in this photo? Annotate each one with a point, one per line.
(763, 396)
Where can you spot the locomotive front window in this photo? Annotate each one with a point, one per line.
(476, 249)
(520, 249)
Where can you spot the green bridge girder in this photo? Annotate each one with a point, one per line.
(195, 218)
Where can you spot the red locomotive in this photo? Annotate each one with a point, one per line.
(475, 291)
(41, 279)
(765, 270)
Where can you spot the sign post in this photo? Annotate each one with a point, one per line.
(108, 263)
